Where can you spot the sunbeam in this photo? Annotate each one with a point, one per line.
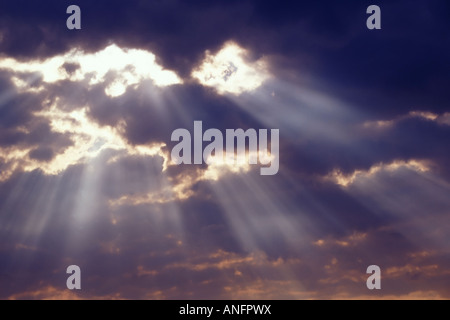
(226, 150)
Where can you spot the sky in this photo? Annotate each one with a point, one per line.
(87, 178)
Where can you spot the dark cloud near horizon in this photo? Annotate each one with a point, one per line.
(151, 244)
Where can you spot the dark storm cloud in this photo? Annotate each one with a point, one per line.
(411, 138)
(331, 36)
(383, 73)
(71, 94)
(44, 154)
(15, 109)
(151, 114)
(50, 143)
(20, 127)
(243, 229)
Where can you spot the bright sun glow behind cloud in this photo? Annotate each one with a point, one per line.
(89, 140)
(131, 66)
(117, 68)
(229, 71)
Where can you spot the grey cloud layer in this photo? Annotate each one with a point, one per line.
(244, 235)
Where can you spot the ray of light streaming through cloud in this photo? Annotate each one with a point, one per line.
(111, 154)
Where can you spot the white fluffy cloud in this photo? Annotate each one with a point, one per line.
(229, 70)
